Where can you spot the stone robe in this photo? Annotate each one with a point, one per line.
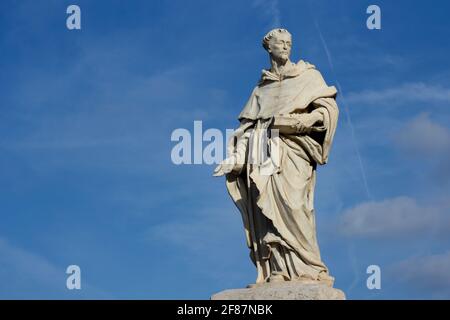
(275, 194)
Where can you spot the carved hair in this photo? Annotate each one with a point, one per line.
(271, 34)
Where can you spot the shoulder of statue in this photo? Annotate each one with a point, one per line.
(305, 65)
(255, 89)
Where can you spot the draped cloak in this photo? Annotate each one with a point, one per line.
(277, 207)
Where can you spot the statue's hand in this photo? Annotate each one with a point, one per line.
(302, 123)
(302, 128)
(225, 167)
(306, 122)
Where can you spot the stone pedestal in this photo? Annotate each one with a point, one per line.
(289, 290)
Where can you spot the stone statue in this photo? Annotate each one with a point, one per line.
(275, 193)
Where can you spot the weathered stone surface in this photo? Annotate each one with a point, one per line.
(271, 175)
(289, 290)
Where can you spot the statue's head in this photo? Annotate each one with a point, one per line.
(278, 43)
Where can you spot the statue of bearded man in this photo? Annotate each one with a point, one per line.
(286, 129)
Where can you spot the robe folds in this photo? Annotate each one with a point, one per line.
(276, 195)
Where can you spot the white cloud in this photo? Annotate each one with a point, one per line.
(428, 142)
(428, 274)
(270, 9)
(409, 92)
(401, 216)
(424, 137)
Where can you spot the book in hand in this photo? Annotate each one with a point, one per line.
(288, 124)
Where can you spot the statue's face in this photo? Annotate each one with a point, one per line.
(280, 46)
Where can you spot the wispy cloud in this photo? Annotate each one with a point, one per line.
(210, 238)
(408, 92)
(130, 113)
(347, 111)
(425, 141)
(201, 232)
(28, 275)
(424, 137)
(270, 9)
(395, 217)
(429, 275)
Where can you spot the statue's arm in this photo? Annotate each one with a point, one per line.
(298, 123)
(239, 144)
(303, 123)
(236, 150)
(240, 152)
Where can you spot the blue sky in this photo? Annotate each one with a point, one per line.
(86, 117)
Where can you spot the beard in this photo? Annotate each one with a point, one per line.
(281, 59)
